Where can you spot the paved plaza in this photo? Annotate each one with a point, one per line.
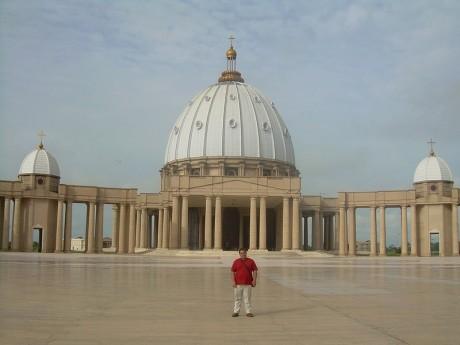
(59, 299)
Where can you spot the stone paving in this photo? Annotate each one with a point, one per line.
(157, 299)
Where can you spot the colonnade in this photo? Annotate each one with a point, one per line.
(133, 227)
(323, 230)
(173, 227)
(347, 231)
(5, 221)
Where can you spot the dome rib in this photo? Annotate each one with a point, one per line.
(280, 127)
(255, 121)
(269, 121)
(240, 121)
(193, 130)
(213, 97)
(289, 149)
(224, 116)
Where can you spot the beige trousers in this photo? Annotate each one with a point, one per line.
(242, 292)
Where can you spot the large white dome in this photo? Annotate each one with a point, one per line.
(432, 168)
(230, 119)
(39, 162)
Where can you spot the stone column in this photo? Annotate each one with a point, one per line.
(383, 233)
(295, 224)
(413, 231)
(148, 235)
(342, 222)
(373, 231)
(352, 231)
(6, 224)
(253, 224)
(58, 244)
(90, 244)
(165, 227)
(138, 228)
(305, 233)
(15, 246)
(122, 245)
(442, 243)
(68, 227)
(115, 225)
(174, 235)
(455, 230)
(263, 224)
(184, 223)
(208, 224)
(143, 231)
(241, 232)
(99, 227)
(403, 230)
(286, 237)
(316, 233)
(218, 224)
(336, 230)
(326, 232)
(160, 228)
(2, 215)
(132, 229)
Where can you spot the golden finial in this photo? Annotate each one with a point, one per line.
(231, 74)
(41, 134)
(231, 52)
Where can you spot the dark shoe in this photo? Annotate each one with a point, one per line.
(250, 315)
(235, 314)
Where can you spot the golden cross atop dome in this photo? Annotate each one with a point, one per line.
(231, 74)
(41, 135)
(431, 142)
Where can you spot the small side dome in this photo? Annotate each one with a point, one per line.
(433, 168)
(39, 162)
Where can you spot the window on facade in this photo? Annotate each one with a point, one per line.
(195, 172)
(267, 172)
(231, 172)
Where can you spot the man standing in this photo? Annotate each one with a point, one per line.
(244, 277)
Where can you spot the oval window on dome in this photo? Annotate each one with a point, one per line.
(232, 123)
(207, 98)
(285, 131)
(266, 126)
(232, 97)
(257, 99)
(199, 124)
(176, 130)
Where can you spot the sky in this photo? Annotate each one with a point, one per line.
(361, 85)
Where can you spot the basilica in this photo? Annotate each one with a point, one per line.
(229, 180)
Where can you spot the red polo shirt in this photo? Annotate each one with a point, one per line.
(243, 269)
